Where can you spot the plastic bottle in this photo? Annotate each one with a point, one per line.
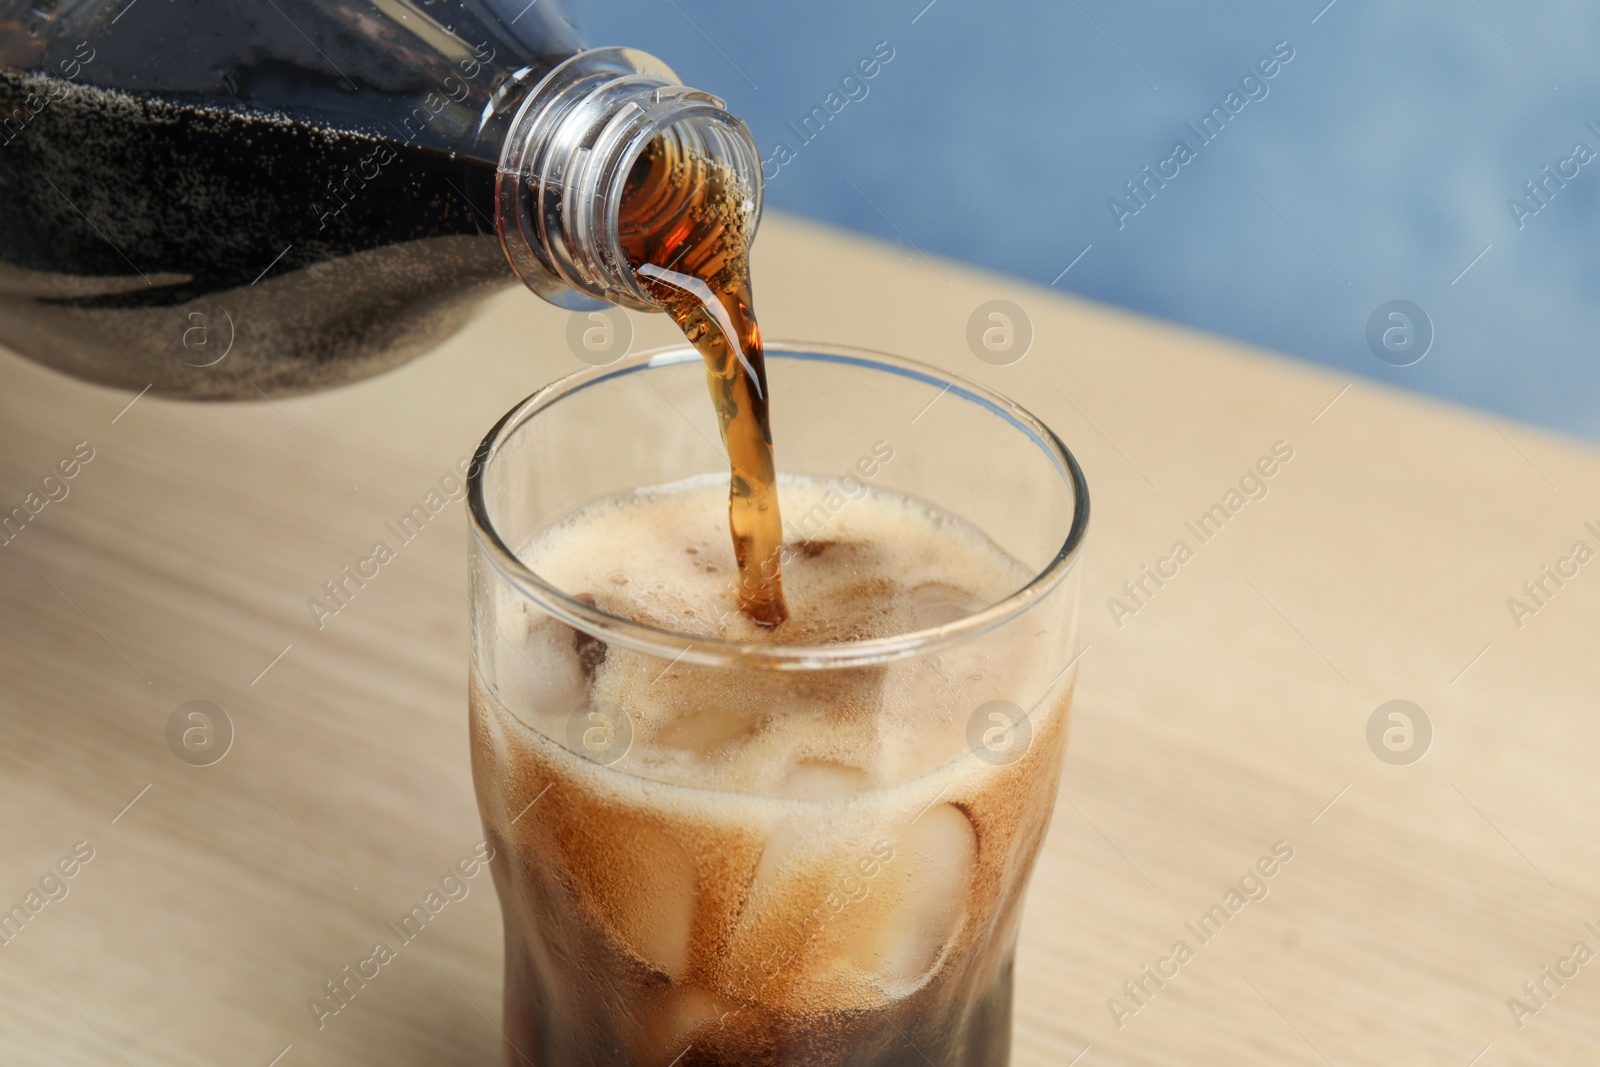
(225, 198)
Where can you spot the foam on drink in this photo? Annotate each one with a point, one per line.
(781, 862)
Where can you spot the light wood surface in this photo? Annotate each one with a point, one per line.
(1226, 715)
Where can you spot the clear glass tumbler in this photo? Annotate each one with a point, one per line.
(859, 910)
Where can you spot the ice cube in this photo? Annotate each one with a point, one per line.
(935, 604)
(821, 779)
(639, 878)
(921, 899)
(681, 1011)
(705, 728)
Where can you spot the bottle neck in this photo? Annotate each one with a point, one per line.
(566, 161)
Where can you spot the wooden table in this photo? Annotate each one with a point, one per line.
(1226, 714)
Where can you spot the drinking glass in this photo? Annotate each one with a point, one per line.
(861, 909)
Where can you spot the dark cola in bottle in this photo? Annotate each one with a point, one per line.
(228, 198)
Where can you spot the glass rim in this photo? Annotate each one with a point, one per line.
(718, 651)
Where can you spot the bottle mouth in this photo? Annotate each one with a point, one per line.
(565, 168)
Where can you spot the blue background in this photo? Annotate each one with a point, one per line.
(1378, 167)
